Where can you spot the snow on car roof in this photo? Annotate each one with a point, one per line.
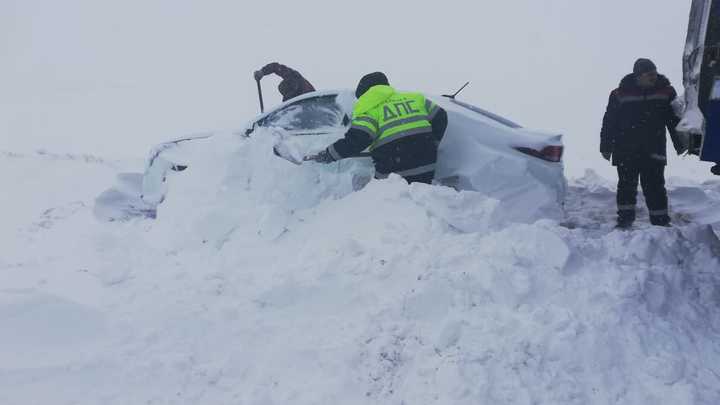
(474, 112)
(347, 100)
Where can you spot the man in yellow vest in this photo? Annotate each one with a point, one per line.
(402, 130)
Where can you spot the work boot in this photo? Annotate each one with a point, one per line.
(660, 220)
(624, 222)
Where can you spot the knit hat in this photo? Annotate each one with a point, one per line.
(369, 80)
(643, 65)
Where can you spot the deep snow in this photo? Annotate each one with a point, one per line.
(263, 282)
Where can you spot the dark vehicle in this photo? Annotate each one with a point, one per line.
(701, 78)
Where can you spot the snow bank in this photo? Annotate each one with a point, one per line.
(42, 330)
(265, 282)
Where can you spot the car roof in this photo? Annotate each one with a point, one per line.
(449, 104)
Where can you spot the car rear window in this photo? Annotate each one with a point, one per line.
(487, 114)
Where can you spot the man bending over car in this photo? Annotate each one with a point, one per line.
(403, 131)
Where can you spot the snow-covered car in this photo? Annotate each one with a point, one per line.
(480, 151)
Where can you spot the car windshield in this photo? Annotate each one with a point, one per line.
(308, 114)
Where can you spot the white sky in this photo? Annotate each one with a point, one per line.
(115, 77)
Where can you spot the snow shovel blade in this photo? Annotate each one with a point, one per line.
(287, 157)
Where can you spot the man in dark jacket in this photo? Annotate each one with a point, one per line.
(633, 136)
(403, 131)
(293, 83)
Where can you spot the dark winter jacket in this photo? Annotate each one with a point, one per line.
(635, 120)
(293, 83)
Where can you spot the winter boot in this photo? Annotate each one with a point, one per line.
(625, 218)
(624, 222)
(660, 220)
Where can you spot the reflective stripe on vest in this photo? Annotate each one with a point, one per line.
(366, 124)
(386, 115)
(400, 116)
(400, 135)
(402, 121)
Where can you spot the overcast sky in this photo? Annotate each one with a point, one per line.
(115, 77)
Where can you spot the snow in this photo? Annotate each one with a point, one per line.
(265, 282)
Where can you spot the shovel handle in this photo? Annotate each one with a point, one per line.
(262, 107)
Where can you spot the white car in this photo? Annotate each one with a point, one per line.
(480, 151)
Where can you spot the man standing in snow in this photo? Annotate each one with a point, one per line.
(293, 83)
(633, 136)
(403, 131)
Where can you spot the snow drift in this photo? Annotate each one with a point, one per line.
(263, 282)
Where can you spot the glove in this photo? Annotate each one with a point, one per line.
(322, 157)
(258, 75)
(606, 155)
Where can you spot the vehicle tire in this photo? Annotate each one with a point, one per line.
(715, 169)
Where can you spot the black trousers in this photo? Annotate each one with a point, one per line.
(426, 178)
(651, 174)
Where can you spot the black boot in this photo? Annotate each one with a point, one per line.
(660, 220)
(624, 222)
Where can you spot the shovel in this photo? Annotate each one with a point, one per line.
(262, 107)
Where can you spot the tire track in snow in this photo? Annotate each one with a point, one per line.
(47, 155)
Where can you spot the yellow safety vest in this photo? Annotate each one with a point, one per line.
(387, 115)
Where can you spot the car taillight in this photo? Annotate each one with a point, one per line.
(549, 153)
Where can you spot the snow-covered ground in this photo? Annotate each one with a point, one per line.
(262, 282)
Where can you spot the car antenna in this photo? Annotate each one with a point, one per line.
(457, 92)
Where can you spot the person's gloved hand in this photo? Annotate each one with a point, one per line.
(258, 75)
(606, 155)
(322, 157)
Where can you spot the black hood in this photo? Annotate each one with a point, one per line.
(629, 82)
(369, 80)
